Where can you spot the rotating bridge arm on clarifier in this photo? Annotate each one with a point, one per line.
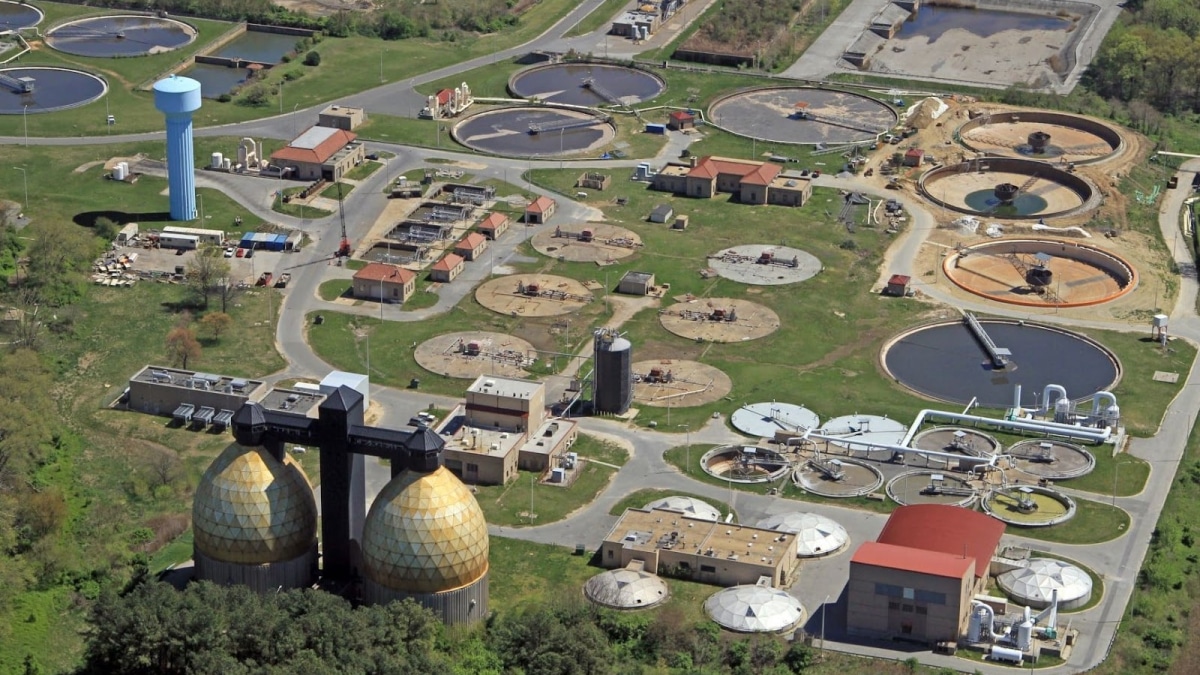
(844, 122)
(990, 459)
(564, 125)
(17, 86)
(594, 86)
(998, 355)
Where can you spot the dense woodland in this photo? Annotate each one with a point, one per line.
(156, 630)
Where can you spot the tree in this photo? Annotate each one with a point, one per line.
(163, 465)
(312, 58)
(205, 270)
(216, 323)
(182, 346)
(58, 258)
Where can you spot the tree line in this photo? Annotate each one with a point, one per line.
(205, 628)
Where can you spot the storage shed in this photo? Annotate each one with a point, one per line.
(680, 119)
(471, 246)
(446, 269)
(913, 157)
(540, 210)
(897, 286)
(636, 283)
(662, 213)
(494, 225)
(266, 241)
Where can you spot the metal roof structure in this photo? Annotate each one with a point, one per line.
(945, 529)
(689, 505)
(754, 609)
(815, 535)
(1034, 585)
(626, 589)
(763, 419)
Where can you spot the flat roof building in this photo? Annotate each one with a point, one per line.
(159, 390)
(711, 552)
(916, 581)
(341, 117)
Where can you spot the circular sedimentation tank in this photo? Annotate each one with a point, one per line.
(764, 265)
(587, 242)
(945, 362)
(1052, 459)
(470, 354)
(970, 442)
(719, 320)
(858, 478)
(1041, 190)
(123, 35)
(1029, 506)
(533, 295)
(53, 89)
(931, 487)
(677, 383)
(1042, 135)
(1040, 272)
(745, 464)
(586, 84)
(802, 115)
(866, 429)
(763, 419)
(18, 15)
(535, 132)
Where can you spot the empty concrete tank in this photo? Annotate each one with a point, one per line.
(612, 379)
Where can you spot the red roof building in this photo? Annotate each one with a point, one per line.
(897, 285)
(681, 120)
(446, 269)
(320, 152)
(494, 225)
(912, 560)
(471, 246)
(752, 182)
(540, 210)
(387, 283)
(948, 529)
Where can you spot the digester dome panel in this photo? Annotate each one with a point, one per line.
(1034, 585)
(425, 533)
(626, 589)
(816, 535)
(754, 609)
(689, 505)
(253, 509)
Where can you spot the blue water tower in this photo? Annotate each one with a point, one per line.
(177, 98)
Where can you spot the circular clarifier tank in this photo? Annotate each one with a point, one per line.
(1041, 272)
(587, 84)
(763, 419)
(534, 132)
(837, 477)
(931, 487)
(745, 464)
(52, 89)
(855, 429)
(15, 16)
(971, 442)
(981, 187)
(802, 115)
(945, 362)
(1052, 459)
(124, 35)
(1029, 506)
(1042, 135)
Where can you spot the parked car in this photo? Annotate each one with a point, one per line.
(229, 253)
(241, 252)
(249, 253)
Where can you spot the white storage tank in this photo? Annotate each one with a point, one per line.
(1006, 654)
(218, 160)
(119, 171)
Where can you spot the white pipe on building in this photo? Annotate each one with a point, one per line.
(988, 623)
(1097, 409)
(986, 459)
(1095, 435)
(1062, 393)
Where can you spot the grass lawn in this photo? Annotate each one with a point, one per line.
(174, 553)
(42, 619)
(363, 171)
(422, 299)
(640, 498)
(601, 16)
(1131, 474)
(511, 505)
(331, 192)
(1094, 523)
(334, 289)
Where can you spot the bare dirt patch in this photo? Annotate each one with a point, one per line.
(679, 384)
(719, 320)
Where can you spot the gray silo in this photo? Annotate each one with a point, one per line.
(612, 379)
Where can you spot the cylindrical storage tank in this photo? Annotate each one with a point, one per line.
(975, 627)
(119, 171)
(1062, 411)
(1112, 415)
(217, 160)
(1006, 654)
(612, 389)
(177, 98)
(1024, 635)
(254, 520)
(425, 538)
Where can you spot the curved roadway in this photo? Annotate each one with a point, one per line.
(1118, 561)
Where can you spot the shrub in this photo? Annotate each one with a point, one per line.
(312, 58)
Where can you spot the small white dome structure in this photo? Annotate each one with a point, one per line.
(689, 505)
(816, 535)
(626, 589)
(754, 609)
(1034, 585)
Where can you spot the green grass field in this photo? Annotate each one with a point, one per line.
(1094, 523)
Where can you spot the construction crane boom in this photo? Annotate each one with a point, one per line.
(343, 248)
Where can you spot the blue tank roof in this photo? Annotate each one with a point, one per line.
(177, 94)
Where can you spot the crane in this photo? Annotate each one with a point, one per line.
(343, 248)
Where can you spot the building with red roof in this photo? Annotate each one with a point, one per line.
(751, 182)
(446, 269)
(494, 225)
(320, 153)
(680, 120)
(538, 212)
(471, 246)
(917, 580)
(386, 283)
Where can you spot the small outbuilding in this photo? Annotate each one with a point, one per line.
(341, 117)
(636, 283)
(471, 246)
(385, 283)
(662, 213)
(897, 286)
(913, 156)
(494, 225)
(446, 269)
(681, 223)
(540, 210)
(680, 120)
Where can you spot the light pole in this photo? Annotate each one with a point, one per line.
(381, 51)
(281, 97)
(294, 119)
(560, 147)
(824, 610)
(200, 198)
(25, 122)
(25, 180)
(687, 466)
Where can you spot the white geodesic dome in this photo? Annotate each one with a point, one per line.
(626, 589)
(754, 609)
(1034, 585)
(816, 535)
(689, 505)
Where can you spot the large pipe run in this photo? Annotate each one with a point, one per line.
(1075, 431)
